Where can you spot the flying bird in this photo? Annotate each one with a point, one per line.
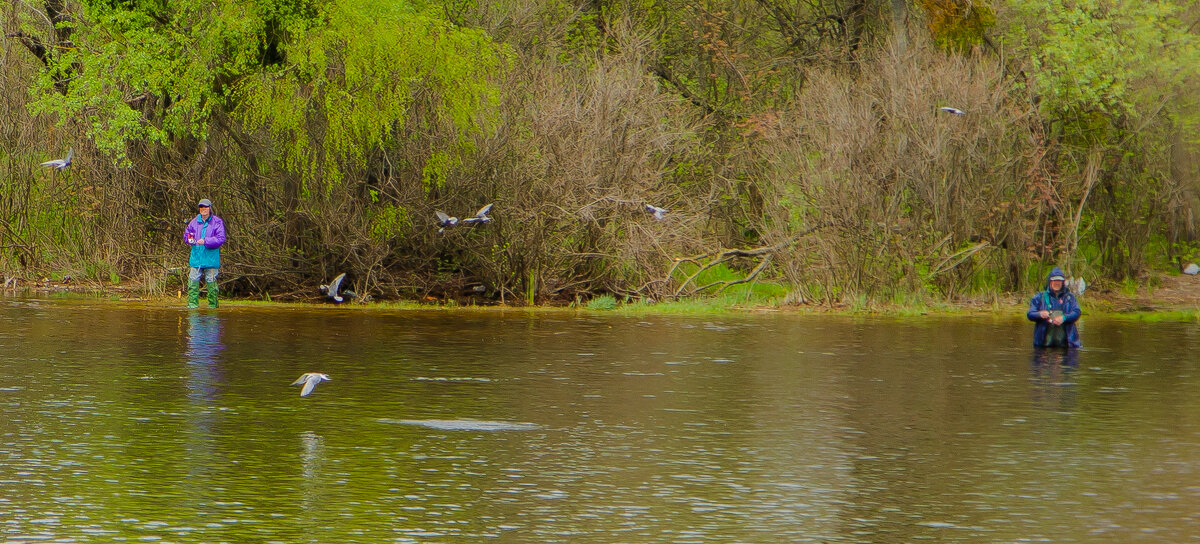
(59, 164)
(954, 111)
(310, 380)
(659, 213)
(445, 221)
(331, 290)
(481, 216)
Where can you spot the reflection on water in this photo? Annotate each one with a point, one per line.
(1053, 372)
(203, 356)
(1054, 361)
(314, 484)
(155, 424)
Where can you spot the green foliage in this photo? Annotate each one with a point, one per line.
(150, 71)
(330, 79)
(1166, 256)
(1110, 56)
(358, 69)
(437, 170)
(389, 223)
(957, 25)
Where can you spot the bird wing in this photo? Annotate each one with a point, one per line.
(484, 210)
(301, 379)
(336, 283)
(70, 154)
(55, 162)
(309, 384)
(471, 220)
(442, 218)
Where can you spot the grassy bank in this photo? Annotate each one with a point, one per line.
(1168, 298)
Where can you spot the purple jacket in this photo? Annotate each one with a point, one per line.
(213, 233)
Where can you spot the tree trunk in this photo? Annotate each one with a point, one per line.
(900, 25)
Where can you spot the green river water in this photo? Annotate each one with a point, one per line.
(151, 424)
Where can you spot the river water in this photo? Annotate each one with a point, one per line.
(163, 425)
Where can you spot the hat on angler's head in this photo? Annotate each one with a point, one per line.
(1057, 277)
(205, 202)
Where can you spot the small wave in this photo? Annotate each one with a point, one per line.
(451, 379)
(465, 424)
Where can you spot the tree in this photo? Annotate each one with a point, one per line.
(1113, 79)
(328, 79)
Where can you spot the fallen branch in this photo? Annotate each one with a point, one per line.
(961, 256)
(722, 256)
(725, 284)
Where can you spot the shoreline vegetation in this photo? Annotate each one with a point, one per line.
(868, 156)
(1176, 299)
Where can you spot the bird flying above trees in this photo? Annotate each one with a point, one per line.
(60, 164)
(445, 221)
(481, 216)
(310, 380)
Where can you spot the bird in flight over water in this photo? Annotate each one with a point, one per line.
(310, 380)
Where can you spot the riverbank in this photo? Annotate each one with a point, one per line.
(1164, 297)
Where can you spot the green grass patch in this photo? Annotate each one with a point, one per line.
(602, 303)
(755, 292)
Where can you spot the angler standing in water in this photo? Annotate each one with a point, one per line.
(1055, 312)
(206, 234)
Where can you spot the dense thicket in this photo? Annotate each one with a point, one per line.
(799, 141)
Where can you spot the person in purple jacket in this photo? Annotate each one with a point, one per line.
(206, 234)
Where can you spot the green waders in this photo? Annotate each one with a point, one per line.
(194, 294)
(212, 295)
